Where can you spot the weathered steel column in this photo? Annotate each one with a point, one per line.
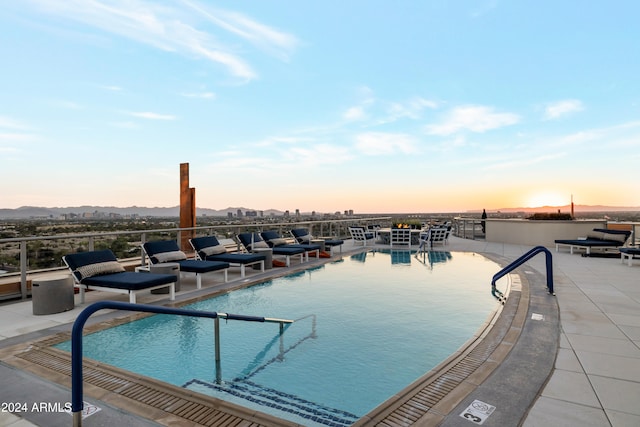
(187, 207)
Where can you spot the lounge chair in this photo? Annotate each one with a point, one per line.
(208, 248)
(101, 271)
(302, 235)
(628, 254)
(599, 238)
(274, 240)
(252, 242)
(161, 251)
(359, 234)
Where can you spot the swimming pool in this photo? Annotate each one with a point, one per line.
(365, 327)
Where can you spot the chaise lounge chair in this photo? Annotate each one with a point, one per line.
(359, 234)
(599, 238)
(208, 248)
(161, 251)
(628, 253)
(303, 236)
(274, 240)
(253, 242)
(101, 271)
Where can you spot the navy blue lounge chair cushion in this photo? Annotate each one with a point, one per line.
(276, 241)
(200, 244)
(630, 251)
(93, 263)
(130, 280)
(199, 266)
(247, 238)
(121, 280)
(303, 236)
(600, 237)
(156, 249)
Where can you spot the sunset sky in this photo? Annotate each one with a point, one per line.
(370, 105)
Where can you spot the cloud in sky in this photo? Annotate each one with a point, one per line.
(202, 95)
(380, 143)
(317, 155)
(474, 118)
(9, 123)
(562, 108)
(411, 109)
(170, 28)
(269, 39)
(522, 163)
(355, 113)
(387, 111)
(152, 116)
(16, 137)
(112, 88)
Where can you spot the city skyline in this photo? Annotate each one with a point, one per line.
(371, 106)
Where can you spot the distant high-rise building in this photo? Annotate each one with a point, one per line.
(239, 213)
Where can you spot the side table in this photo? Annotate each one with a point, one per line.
(52, 295)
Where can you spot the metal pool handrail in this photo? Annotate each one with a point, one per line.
(78, 325)
(517, 263)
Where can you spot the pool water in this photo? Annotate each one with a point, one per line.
(365, 327)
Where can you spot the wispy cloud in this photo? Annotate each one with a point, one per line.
(559, 109)
(521, 163)
(9, 123)
(317, 155)
(380, 143)
(13, 132)
(169, 26)
(125, 125)
(411, 109)
(152, 116)
(70, 105)
(606, 136)
(381, 112)
(202, 95)
(474, 118)
(268, 39)
(111, 88)
(355, 113)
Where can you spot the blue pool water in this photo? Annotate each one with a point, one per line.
(365, 327)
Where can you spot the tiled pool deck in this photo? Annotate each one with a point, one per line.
(596, 380)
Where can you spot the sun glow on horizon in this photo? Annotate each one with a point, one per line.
(548, 198)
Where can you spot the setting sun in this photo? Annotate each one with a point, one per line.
(548, 198)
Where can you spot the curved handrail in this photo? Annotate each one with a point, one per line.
(517, 263)
(78, 325)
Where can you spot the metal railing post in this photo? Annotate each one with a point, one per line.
(216, 333)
